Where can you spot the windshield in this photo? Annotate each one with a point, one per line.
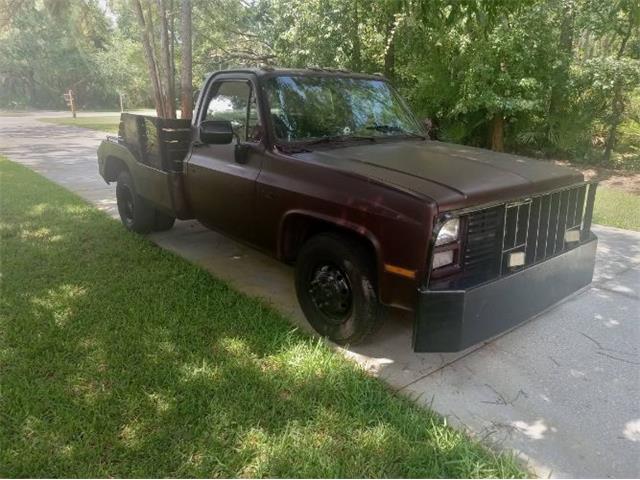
(308, 108)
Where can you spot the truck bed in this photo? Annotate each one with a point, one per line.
(153, 150)
(160, 143)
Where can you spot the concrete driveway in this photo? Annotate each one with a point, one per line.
(561, 390)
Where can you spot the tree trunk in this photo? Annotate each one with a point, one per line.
(186, 82)
(617, 110)
(617, 104)
(165, 56)
(390, 61)
(559, 87)
(390, 40)
(145, 36)
(172, 41)
(355, 54)
(389, 54)
(497, 132)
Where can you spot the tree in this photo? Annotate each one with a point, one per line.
(47, 48)
(167, 77)
(186, 87)
(560, 70)
(545, 77)
(161, 76)
(122, 67)
(628, 25)
(146, 34)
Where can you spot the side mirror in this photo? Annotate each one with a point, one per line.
(216, 131)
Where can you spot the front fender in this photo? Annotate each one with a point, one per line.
(338, 222)
(394, 288)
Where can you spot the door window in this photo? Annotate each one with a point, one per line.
(235, 101)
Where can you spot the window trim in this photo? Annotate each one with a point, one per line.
(275, 140)
(214, 86)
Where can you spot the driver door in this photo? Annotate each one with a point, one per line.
(222, 191)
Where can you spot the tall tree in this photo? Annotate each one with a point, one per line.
(356, 50)
(391, 21)
(186, 81)
(146, 36)
(159, 63)
(47, 48)
(560, 75)
(167, 78)
(631, 10)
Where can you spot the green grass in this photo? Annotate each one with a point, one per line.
(617, 208)
(120, 359)
(103, 123)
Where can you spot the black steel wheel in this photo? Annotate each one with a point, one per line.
(136, 215)
(335, 288)
(331, 293)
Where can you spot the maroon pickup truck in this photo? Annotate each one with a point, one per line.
(330, 171)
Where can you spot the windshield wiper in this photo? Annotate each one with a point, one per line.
(302, 145)
(338, 138)
(393, 128)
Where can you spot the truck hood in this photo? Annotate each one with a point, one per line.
(454, 176)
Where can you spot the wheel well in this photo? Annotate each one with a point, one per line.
(300, 228)
(113, 166)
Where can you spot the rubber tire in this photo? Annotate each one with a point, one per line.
(143, 218)
(163, 221)
(352, 258)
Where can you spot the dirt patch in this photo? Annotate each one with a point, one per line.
(618, 179)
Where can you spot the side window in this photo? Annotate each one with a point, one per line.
(254, 127)
(235, 101)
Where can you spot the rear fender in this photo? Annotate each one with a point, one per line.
(112, 158)
(163, 190)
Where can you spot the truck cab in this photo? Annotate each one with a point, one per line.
(331, 172)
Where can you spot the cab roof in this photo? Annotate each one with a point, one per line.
(309, 71)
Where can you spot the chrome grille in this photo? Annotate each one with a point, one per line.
(535, 226)
(483, 243)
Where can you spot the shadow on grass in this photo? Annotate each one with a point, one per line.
(120, 359)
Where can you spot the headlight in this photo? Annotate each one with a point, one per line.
(449, 232)
(442, 259)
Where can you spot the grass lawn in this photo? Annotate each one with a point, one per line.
(617, 208)
(107, 123)
(120, 359)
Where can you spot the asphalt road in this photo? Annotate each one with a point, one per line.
(561, 390)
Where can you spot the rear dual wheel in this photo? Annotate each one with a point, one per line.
(135, 212)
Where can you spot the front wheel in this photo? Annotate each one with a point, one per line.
(335, 288)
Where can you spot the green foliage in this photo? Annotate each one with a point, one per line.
(121, 66)
(559, 74)
(47, 48)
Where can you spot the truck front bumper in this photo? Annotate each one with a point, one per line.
(452, 320)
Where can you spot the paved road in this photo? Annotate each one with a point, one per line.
(562, 390)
